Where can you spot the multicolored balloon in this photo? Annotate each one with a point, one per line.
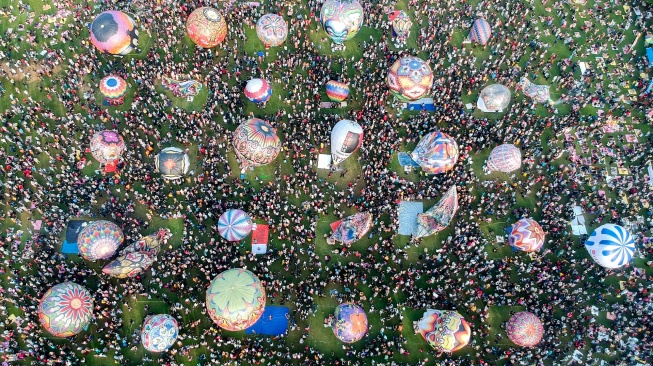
(99, 240)
(235, 299)
(129, 264)
(352, 228)
(611, 246)
(113, 88)
(337, 91)
(525, 329)
(504, 158)
(346, 138)
(436, 153)
(258, 90)
(527, 235)
(234, 225)
(445, 330)
(493, 98)
(341, 19)
(172, 162)
(480, 32)
(272, 30)
(114, 32)
(256, 143)
(410, 78)
(65, 309)
(349, 323)
(107, 146)
(401, 25)
(159, 332)
(206, 27)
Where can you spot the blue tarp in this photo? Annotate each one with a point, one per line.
(408, 216)
(406, 160)
(274, 321)
(69, 248)
(649, 55)
(424, 104)
(72, 232)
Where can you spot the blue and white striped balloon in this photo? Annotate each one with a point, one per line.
(234, 225)
(611, 246)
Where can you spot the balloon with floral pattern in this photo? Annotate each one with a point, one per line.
(235, 299)
(99, 240)
(65, 309)
(159, 332)
(349, 323)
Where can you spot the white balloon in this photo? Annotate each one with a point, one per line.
(346, 138)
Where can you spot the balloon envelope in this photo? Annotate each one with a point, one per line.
(337, 91)
(341, 19)
(352, 228)
(401, 24)
(272, 29)
(436, 153)
(525, 329)
(493, 98)
(258, 90)
(444, 330)
(350, 323)
(99, 240)
(129, 264)
(346, 138)
(114, 32)
(159, 332)
(206, 27)
(480, 32)
(65, 309)
(107, 146)
(113, 87)
(438, 217)
(527, 235)
(234, 225)
(235, 299)
(611, 246)
(172, 163)
(410, 78)
(504, 158)
(256, 143)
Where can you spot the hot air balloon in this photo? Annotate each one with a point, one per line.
(337, 91)
(346, 138)
(65, 309)
(504, 158)
(439, 216)
(401, 25)
(445, 330)
(114, 32)
(107, 146)
(352, 228)
(349, 323)
(172, 163)
(272, 30)
(258, 90)
(480, 32)
(410, 78)
(493, 98)
(436, 153)
(527, 235)
(256, 143)
(341, 19)
(113, 88)
(99, 240)
(159, 332)
(525, 329)
(129, 264)
(611, 246)
(234, 225)
(539, 93)
(151, 243)
(235, 299)
(206, 27)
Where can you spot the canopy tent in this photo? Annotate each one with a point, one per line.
(260, 239)
(408, 212)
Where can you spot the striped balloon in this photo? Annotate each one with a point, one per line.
(234, 225)
(480, 32)
(611, 246)
(337, 91)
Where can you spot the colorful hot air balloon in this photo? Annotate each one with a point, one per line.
(150, 243)
(341, 19)
(493, 98)
(346, 138)
(410, 78)
(107, 146)
(113, 88)
(438, 217)
(611, 246)
(256, 143)
(234, 225)
(349, 323)
(129, 264)
(445, 330)
(352, 228)
(114, 32)
(480, 32)
(172, 163)
(99, 240)
(258, 90)
(504, 158)
(235, 299)
(527, 235)
(206, 27)
(272, 30)
(401, 25)
(159, 332)
(525, 329)
(65, 309)
(436, 153)
(337, 91)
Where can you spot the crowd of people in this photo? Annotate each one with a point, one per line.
(567, 159)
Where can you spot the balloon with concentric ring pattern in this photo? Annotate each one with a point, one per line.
(525, 329)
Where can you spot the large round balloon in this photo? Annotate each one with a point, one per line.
(66, 309)
(113, 88)
(107, 146)
(234, 225)
(346, 138)
(172, 163)
(256, 143)
(525, 329)
(350, 323)
(235, 299)
(114, 32)
(493, 98)
(159, 332)
(272, 30)
(337, 91)
(436, 153)
(527, 235)
(410, 78)
(206, 27)
(480, 32)
(444, 330)
(129, 264)
(258, 90)
(504, 158)
(611, 246)
(341, 19)
(99, 240)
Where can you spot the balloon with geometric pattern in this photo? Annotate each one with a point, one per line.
(113, 88)
(611, 246)
(525, 329)
(337, 91)
(206, 27)
(436, 153)
(256, 143)
(258, 90)
(235, 299)
(107, 146)
(99, 240)
(410, 78)
(65, 309)
(159, 332)
(272, 30)
(527, 235)
(504, 158)
(129, 264)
